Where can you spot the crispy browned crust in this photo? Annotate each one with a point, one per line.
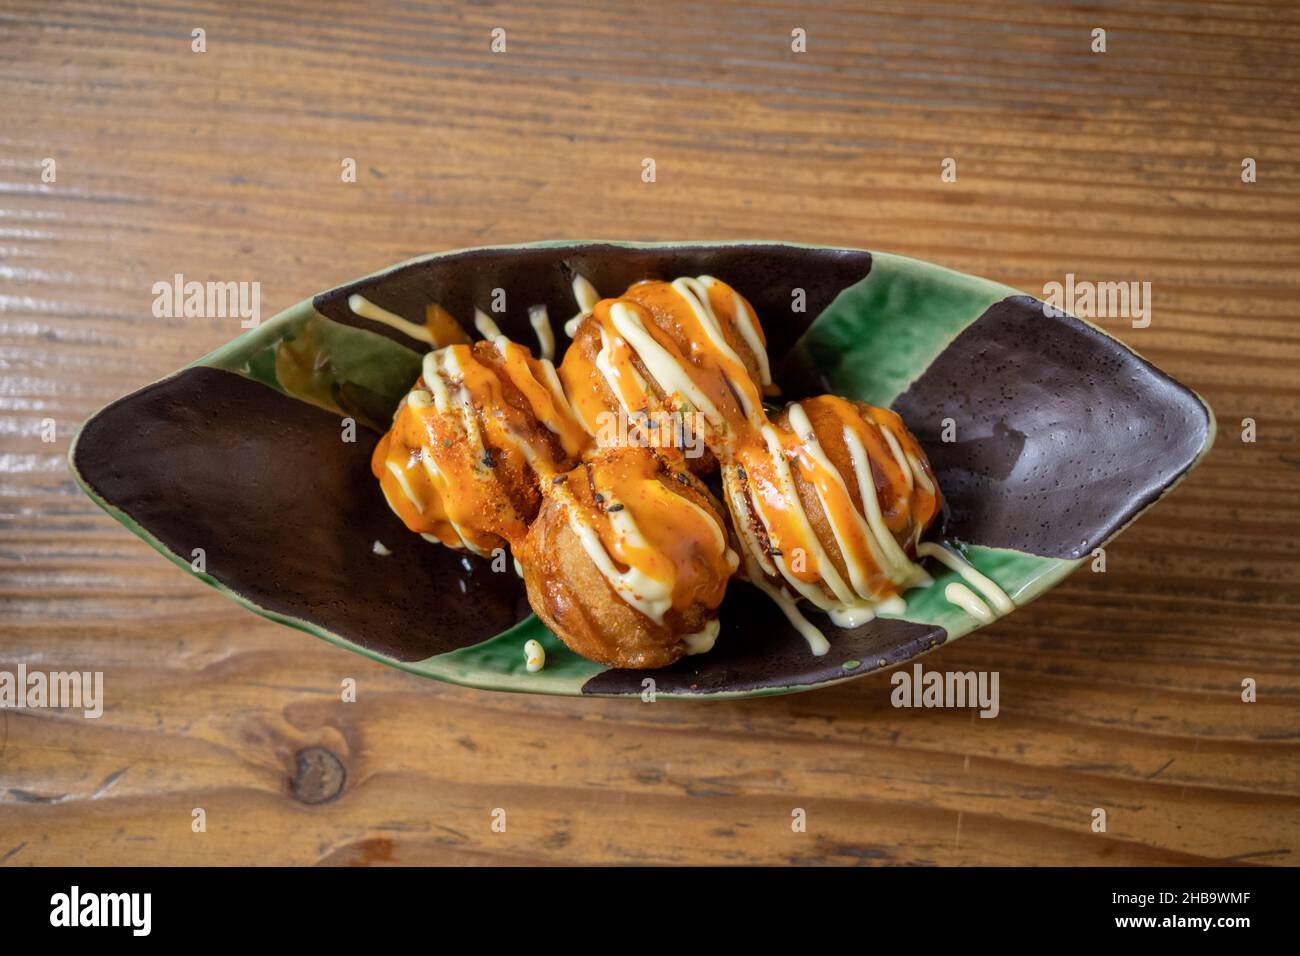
(571, 596)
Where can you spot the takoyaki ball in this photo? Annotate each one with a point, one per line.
(472, 441)
(629, 559)
(905, 489)
(682, 362)
(830, 501)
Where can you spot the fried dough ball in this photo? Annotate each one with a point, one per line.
(829, 502)
(629, 559)
(682, 363)
(471, 442)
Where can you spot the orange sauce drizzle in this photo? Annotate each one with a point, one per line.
(643, 330)
(456, 438)
(443, 328)
(666, 550)
(875, 567)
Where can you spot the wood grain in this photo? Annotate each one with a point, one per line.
(1119, 690)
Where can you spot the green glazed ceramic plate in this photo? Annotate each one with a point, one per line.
(250, 468)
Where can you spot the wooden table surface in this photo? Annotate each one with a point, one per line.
(1120, 691)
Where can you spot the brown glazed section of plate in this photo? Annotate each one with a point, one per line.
(757, 648)
(287, 514)
(765, 274)
(1062, 434)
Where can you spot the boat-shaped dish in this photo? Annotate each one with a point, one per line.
(1047, 436)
